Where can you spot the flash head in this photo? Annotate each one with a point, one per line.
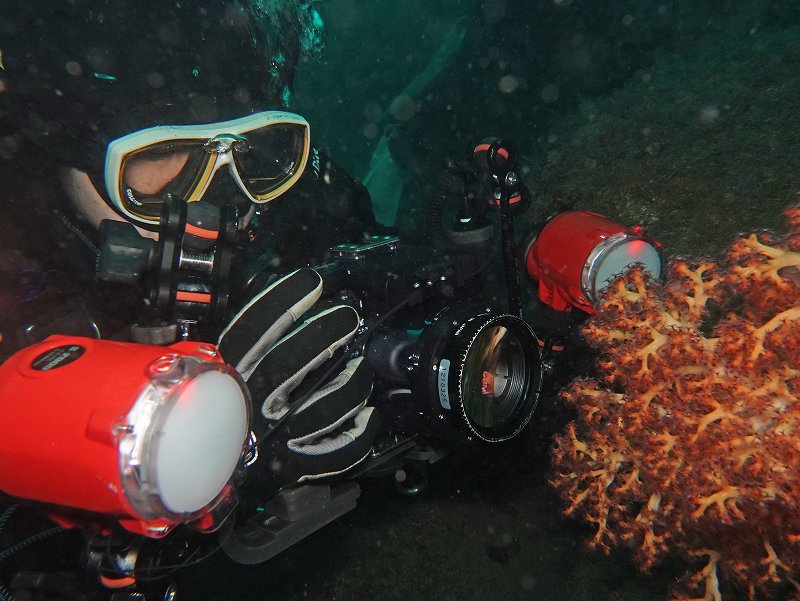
(145, 435)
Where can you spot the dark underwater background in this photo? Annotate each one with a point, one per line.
(681, 116)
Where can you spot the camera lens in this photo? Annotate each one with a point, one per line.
(494, 377)
(479, 371)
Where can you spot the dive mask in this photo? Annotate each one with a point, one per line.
(265, 153)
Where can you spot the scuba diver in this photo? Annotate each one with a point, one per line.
(157, 195)
(75, 80)
(121, 115)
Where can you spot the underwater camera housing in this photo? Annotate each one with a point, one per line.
(448, 364)
(449, 369)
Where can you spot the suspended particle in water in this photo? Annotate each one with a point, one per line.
(8, 147)
(242, 96)
(549, 93)
(74, 68)
(203, 108)
(155, 80)
(372, 111)
(403, 107)
(99, 60)
(528, 582)
(709, 114)
(370, 131)
(507, 84)
(494, 10)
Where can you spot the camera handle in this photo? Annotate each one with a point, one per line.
(510, 196)
(184, 275)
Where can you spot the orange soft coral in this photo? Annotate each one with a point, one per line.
(697, 454)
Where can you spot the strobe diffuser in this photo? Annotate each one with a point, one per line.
(148, 436)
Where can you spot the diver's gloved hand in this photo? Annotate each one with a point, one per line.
(334, 428)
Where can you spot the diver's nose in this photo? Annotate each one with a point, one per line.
(224, 191)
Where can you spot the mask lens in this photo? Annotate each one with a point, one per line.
(273, 157)
(146, 175)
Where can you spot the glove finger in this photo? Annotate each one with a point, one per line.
(298, 353)
(267, 317)
(337, 453)
(333, 405)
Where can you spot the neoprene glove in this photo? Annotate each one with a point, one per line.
(333, 429)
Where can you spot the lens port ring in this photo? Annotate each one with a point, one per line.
(451, 379)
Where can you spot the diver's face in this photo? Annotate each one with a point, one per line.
(146, 175)
(150, 175)
(88, 202)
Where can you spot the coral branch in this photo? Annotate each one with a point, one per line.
(760, 334)
(697, 452)
(708, 576)
(724, 500)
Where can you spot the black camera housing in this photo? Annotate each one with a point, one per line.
(449, 365)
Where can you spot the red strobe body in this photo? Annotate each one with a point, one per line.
(146, 435)
(577, 253)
